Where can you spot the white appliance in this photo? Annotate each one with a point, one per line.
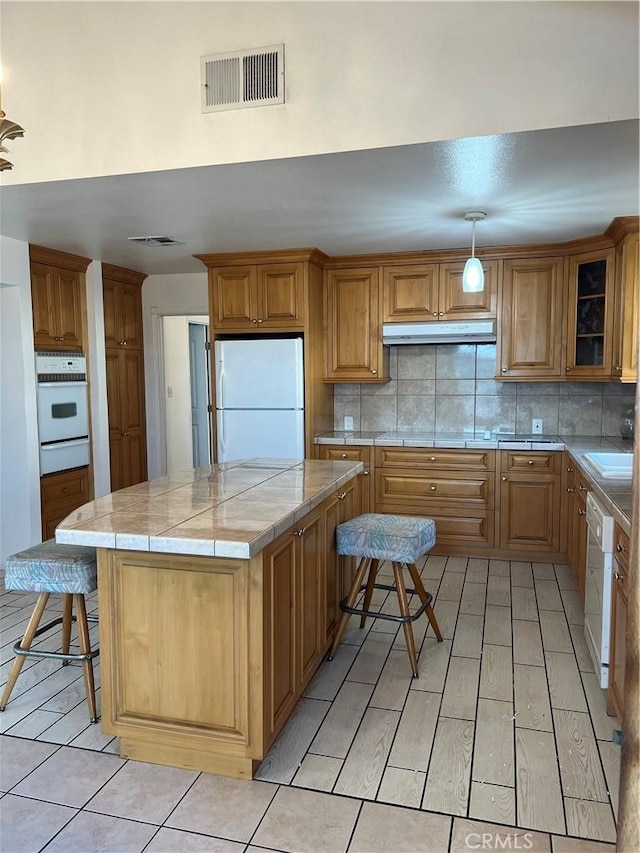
(259, 398)
(441, 332)
(63, 418)
(597, 602)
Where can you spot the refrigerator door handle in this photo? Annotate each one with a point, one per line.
(221, 435)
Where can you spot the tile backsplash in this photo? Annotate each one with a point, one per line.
(451, 388)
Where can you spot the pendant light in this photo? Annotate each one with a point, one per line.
(473, 274)
(8, 130)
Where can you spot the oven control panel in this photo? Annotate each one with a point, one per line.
(61, 367)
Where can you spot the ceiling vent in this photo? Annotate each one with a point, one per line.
(156, 241)
(246, 78)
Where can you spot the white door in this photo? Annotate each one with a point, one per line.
(272, 434)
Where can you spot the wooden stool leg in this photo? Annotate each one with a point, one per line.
(66, 625)
(351, 599)
(373, 571)
(422, 595)
(85, 648)
(404, 611)
(25, 643)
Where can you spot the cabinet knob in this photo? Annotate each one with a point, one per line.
(440, 313)
(365, 473)
(504, 369)
(374, 372)
(570, 470)
(504, 479)
(618, 368)
(530, 462)
(125, 434)
(435, 313)
(254, 321)
(582, 512)
(343, 455)
(619, 576)
(582, 489)
(432, 488)
(342, 496)
(65, 490)
(619, 547)
(570, 490)
(300, 532)
(124, 343)
(259, 321)
(567, 369)
(432, 458)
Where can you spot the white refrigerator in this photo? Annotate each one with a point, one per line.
(259, 398)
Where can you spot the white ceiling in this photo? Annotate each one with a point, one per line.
(541, 186)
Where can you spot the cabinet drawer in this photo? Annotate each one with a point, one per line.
(342, 453)
(621, 548)
(423, 491)
(66, 487)
(536, 460)
(454, 527)
(432, 458)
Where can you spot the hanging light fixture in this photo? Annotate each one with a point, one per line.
(8, 130)
(473, 274)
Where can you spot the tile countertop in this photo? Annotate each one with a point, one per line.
(615, 495)
(228, 510)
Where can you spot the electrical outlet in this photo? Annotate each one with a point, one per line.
(536, 426)
(348, 423)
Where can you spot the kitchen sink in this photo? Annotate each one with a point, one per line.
(615, 465)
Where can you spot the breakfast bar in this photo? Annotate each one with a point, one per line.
(218, 599)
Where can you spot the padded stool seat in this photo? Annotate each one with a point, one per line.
(52, 568)
(401, 540)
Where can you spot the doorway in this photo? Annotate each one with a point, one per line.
(186, 391)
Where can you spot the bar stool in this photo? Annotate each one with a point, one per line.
(53, 568)
(401, 540)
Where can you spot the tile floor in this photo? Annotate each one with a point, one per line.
(502, 743)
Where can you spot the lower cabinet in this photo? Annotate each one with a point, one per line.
(353, 453)
(617, 644)
(60, 494)
(530, 498)
(576, 515)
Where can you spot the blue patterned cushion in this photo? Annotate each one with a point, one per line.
(400, 538)
(51, 567)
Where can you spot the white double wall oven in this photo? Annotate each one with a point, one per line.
(63, 411)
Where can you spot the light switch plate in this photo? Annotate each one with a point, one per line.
(348, 423)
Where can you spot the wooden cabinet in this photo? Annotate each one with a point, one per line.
(354, 350)
(351, 453)
(58, 303)
(257, 297)
(125, 376)
(627, 290)
(530, 498)
(60, 494)
(454, 487)
(590, 313)
(576, 520)
(619, 604)
(531, 332)
(432, 292)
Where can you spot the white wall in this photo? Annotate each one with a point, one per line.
(178, 405)
(164, 295)
(19, 457)
(98, 382)
(111, 88)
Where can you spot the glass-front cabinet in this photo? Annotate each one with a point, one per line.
(590, 314)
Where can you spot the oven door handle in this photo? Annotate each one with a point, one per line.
(70, 383)
(74, 442)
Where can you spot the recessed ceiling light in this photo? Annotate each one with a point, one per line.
(157, 241)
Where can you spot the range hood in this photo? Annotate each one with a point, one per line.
(458, 332)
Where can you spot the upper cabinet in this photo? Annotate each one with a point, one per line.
(257, 297)
(624, 231)
(122, 307)
(353, 350)
(590, 311)
(424, 293)
(530, 328)
(57, 281)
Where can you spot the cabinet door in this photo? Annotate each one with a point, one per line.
(127, 429)
(579, 547)
(68, 310)
(112, 311)
(357, 454)
(455, 304)
(354, 337)
(232, 298)
(627, 319)
(349, 499)
(530, 329)
(57, 316)
(60, 494)
(410, 294)
(530, 512)
(617, 646)
(280, 296)
(310, 583)
(280, 674)
(333, 570)
(590, 315)
(41, 297)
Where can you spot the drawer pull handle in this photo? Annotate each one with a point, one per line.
(619, 547)
(432, 488)
(619, 576)
(432, 458)
(530, 462)
(582, 489)
(343, 455)
(582, 512)
(571, 490)
(300, 532)
(570, 470)
(342, 496)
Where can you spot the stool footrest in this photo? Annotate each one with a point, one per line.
(36, 653)
(358, 611)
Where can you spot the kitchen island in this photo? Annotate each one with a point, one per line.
(218, 599)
